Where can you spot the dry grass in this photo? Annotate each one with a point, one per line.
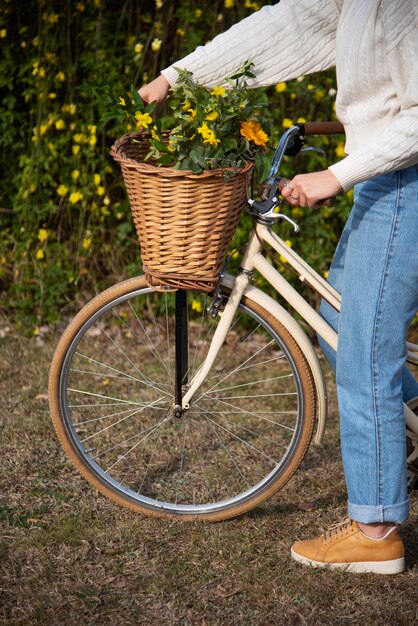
(69, 556)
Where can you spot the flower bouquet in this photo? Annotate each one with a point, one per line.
(187, 186)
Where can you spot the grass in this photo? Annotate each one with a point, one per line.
(69, 556)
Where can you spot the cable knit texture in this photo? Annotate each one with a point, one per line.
(372, 43)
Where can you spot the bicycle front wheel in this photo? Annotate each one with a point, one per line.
(112, 388)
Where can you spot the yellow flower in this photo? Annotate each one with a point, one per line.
(86, 243)
(287, 123)
(208, 135)
(310, 87)
(69, 108)
(52, 95)
(76, 150)
(42, 234)
(340, 151)
(75, 197)
(301, 120)
(253, 132)
(60, 124)
(93, 140)
(218, 92)
(319, 95)
(92, 128)
(198, 13)
(159, 4)
(40, 254)
(229, 4)
(80, 7)
(122, 102)
(281, 87)
(156, 44)
(75, 174)
(42, 72)
(60, 76)
(3, 33)
(51, 18)
(212, 116)
(143, 119)
(154, 134)
(97, 179)
(79, 138)
(62, 191)
(139, 48)
(197, 306)
(100, 190)
(106, 202)
(180, 32)
(192, 113)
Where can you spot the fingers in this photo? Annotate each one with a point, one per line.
(155, 91)
(310, 190)
(294, 194)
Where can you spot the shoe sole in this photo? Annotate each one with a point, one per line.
(395, 566)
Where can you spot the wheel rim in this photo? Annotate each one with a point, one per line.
(108, 444)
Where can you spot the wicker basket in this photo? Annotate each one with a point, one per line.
(184, 221)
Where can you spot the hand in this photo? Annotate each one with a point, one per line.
(307, 190)
(155, 91)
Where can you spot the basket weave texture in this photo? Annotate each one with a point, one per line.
(184, 221)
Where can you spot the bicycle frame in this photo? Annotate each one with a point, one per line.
(253, 259)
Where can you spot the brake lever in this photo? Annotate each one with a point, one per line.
(313, 149)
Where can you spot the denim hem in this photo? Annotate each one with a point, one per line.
(374, 514)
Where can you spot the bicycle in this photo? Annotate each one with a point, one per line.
(200, 406)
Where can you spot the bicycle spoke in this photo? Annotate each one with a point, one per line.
(135, 446)
(255, 382)
(243, 441)
(259, 415)
(236, 424)
(227, 451)
(142, 380)
(154, 349)
(234, 370)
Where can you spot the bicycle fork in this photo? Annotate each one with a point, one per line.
(227, 315)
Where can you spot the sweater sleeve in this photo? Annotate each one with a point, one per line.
(284, 40)
(396, 147)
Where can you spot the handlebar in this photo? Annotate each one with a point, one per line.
(291, 143)
(321, 128)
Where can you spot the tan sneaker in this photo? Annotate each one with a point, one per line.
(344, 546)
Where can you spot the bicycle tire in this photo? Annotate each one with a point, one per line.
(102, 327)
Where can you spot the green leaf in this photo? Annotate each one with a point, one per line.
(137, 99)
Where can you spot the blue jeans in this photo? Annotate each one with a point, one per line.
(375, 268)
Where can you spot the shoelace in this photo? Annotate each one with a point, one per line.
(338, 530)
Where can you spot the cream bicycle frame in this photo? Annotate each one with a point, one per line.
(252, 260)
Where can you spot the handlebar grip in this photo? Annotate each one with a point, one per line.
(321, 128)
(326, 202)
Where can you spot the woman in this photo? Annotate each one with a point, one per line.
(374, 46)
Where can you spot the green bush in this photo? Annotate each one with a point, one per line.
(65, 220)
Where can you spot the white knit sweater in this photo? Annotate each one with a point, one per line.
(372, 43)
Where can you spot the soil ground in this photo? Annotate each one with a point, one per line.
(70, 556)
